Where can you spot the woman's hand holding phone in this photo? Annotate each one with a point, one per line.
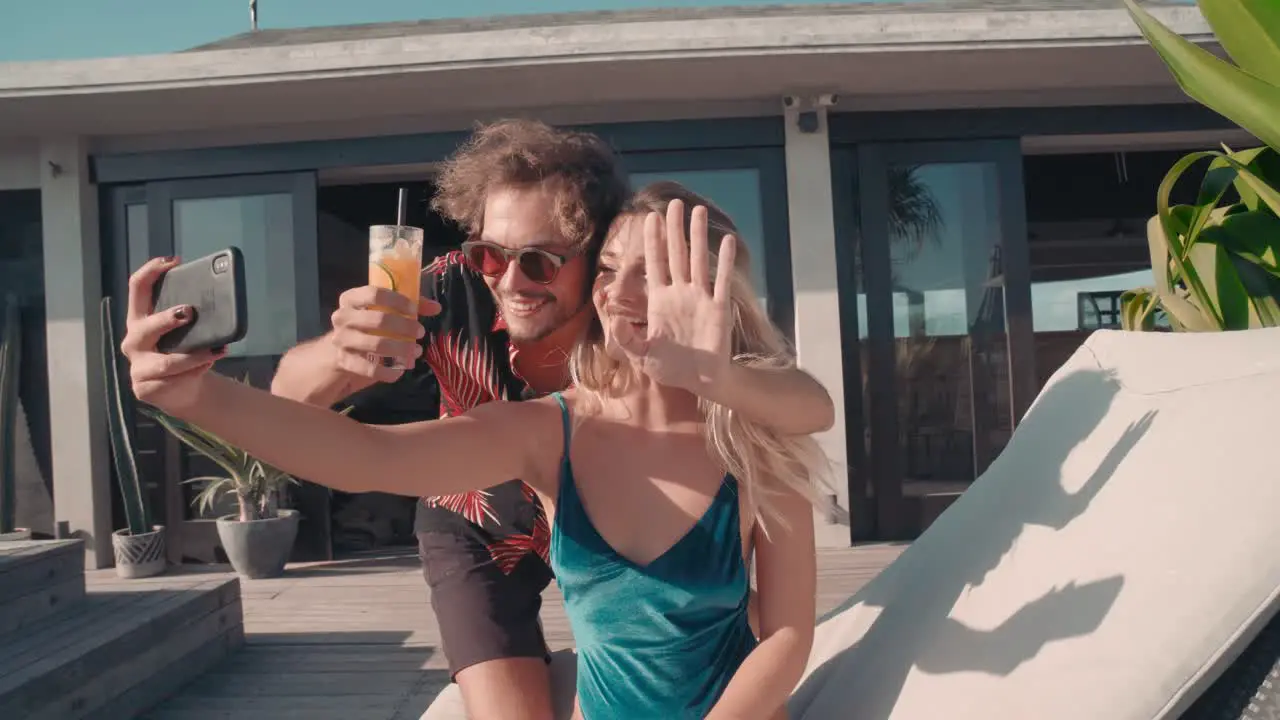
(169, 381)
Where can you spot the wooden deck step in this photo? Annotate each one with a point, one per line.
(126, 647)
(38, 578)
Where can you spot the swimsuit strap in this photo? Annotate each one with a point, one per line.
(564, 421)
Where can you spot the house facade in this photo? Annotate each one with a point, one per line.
(941, 201)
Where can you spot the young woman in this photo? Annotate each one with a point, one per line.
(661, 486)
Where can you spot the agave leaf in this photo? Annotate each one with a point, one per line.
(132, 495)
(176, 427)
(10, 354)
(1247, 100)
(214, 442)
(1249, 31)
(253, 481)
(206, 478)
(196, 441)
(216, 486)
(209, 445)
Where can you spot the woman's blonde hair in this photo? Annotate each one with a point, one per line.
(763, 460)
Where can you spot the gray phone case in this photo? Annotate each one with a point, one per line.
(214, 287)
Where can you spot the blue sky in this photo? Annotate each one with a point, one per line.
(67, 29)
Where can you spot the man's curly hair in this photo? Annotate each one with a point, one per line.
(578, 169)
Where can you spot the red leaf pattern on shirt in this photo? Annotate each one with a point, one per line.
(473, 505)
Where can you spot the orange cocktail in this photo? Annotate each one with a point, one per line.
(395, 263)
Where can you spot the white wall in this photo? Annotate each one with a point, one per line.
(73, 291)
(19, 165)
(817, 305)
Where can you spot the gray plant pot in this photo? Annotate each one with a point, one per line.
(259, 548)
(139, 556)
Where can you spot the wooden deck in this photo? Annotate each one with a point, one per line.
(357, 639)
(89, 645)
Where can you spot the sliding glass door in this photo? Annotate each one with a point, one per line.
(272, 220)
(938, 298)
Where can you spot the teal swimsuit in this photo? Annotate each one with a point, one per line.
(660, 641)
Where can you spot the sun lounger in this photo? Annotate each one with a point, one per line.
(1112, 564)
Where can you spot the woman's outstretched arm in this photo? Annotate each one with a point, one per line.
(484, 447)
(493, 443)
(786, 576)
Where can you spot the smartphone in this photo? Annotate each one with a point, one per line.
(214, 287)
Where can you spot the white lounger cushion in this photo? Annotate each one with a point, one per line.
(1110, 563)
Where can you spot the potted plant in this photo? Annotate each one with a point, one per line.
(1217, 262)
(259, 537)
(10, 356)
(140, 547)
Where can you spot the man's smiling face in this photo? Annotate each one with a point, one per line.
(522, 217)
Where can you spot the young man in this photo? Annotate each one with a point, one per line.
(536, 203)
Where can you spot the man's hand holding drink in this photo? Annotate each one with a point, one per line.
(372, 323)
(375, 328)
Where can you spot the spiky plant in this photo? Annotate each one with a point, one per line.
(256, 485)
(10, 356)
(136, 510)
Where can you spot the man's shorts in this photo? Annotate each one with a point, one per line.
(483, 613)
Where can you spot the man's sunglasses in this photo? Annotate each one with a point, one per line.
(540, 266)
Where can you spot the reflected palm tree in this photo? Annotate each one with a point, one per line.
(914, 215)
(915, 219)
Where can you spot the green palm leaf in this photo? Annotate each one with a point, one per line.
(1242, 97)
(1249, 31)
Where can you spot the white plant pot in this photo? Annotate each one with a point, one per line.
(140, 556)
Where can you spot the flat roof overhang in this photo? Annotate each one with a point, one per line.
(650, 69)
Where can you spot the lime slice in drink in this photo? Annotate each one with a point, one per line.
(379, 272)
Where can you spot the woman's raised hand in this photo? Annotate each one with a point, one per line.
(169, 381)
(687, 343)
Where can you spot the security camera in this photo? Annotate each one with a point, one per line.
(827, 99)
(807, 122)
(790, 102)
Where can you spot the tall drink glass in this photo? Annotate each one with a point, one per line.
(395, 263)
